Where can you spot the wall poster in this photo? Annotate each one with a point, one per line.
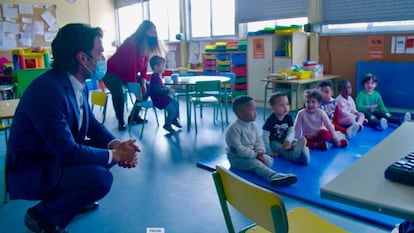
(258, 48)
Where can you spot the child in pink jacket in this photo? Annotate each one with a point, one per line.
(314, 124)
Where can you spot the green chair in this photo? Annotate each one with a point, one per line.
(264, 207)
(23, 78)
(135, 88)
(99, 98)
(207, 93)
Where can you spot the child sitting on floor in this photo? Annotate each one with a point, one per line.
(278, 132)
(245, 148)
(160, 94)
(370, 103)
(329, 105)
(346, 113)
(314, 124)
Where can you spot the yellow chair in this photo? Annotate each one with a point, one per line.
(99, 98)
(135, 88)
(264, 207)
(207, 93)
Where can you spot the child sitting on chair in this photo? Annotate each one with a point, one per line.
(314, 124)
(370, 103)
(279, 133)
(245, 148)
(346, 113)
(160, 94)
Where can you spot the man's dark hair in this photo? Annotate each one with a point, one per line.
(71, 39)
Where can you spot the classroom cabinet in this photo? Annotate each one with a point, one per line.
(269, 53)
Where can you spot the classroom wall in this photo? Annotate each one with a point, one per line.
(339, 53)
(94, 12)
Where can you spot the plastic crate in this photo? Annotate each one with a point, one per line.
(224, 68)
(241, 79)
(223, 56)
(239, 70)
(238, 59)
(300, 75)
(223, 62)
(209, 72)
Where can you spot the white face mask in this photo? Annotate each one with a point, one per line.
(100, 69)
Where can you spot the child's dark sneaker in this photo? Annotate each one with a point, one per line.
(169, 128)
(176, 123)
(281, 179)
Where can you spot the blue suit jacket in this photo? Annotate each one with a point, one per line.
(44, 137)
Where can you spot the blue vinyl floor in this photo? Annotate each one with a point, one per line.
(167, 189)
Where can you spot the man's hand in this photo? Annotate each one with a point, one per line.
(125, 153)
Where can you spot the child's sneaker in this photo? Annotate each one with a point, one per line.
(322, 145)
(305, 156)
(300, 145)
(407, 117)
(177, 123)
(281, 179)
(383, 124)
(169, 128)
(352, 130)
(342, 143)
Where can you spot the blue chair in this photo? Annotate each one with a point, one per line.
(135, 88)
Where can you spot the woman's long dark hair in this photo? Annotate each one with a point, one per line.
(141, 39)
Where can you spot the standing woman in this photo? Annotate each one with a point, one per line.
(130, 59)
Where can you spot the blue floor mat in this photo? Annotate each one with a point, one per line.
(324, 166)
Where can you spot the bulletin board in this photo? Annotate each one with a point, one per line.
(27, 25)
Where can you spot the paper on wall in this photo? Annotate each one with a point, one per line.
(25, 9)
(48, 18)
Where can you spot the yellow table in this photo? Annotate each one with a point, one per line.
(272, 84)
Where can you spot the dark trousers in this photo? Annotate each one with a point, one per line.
(79, 186)
(116, 87)
(374, 118)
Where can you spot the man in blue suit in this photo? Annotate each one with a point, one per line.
(49, 158)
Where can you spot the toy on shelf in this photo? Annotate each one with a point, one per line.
(30, 58)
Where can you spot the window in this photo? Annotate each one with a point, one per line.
(260, 25)
(391, 26)
(165, 14)
(212, 18)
